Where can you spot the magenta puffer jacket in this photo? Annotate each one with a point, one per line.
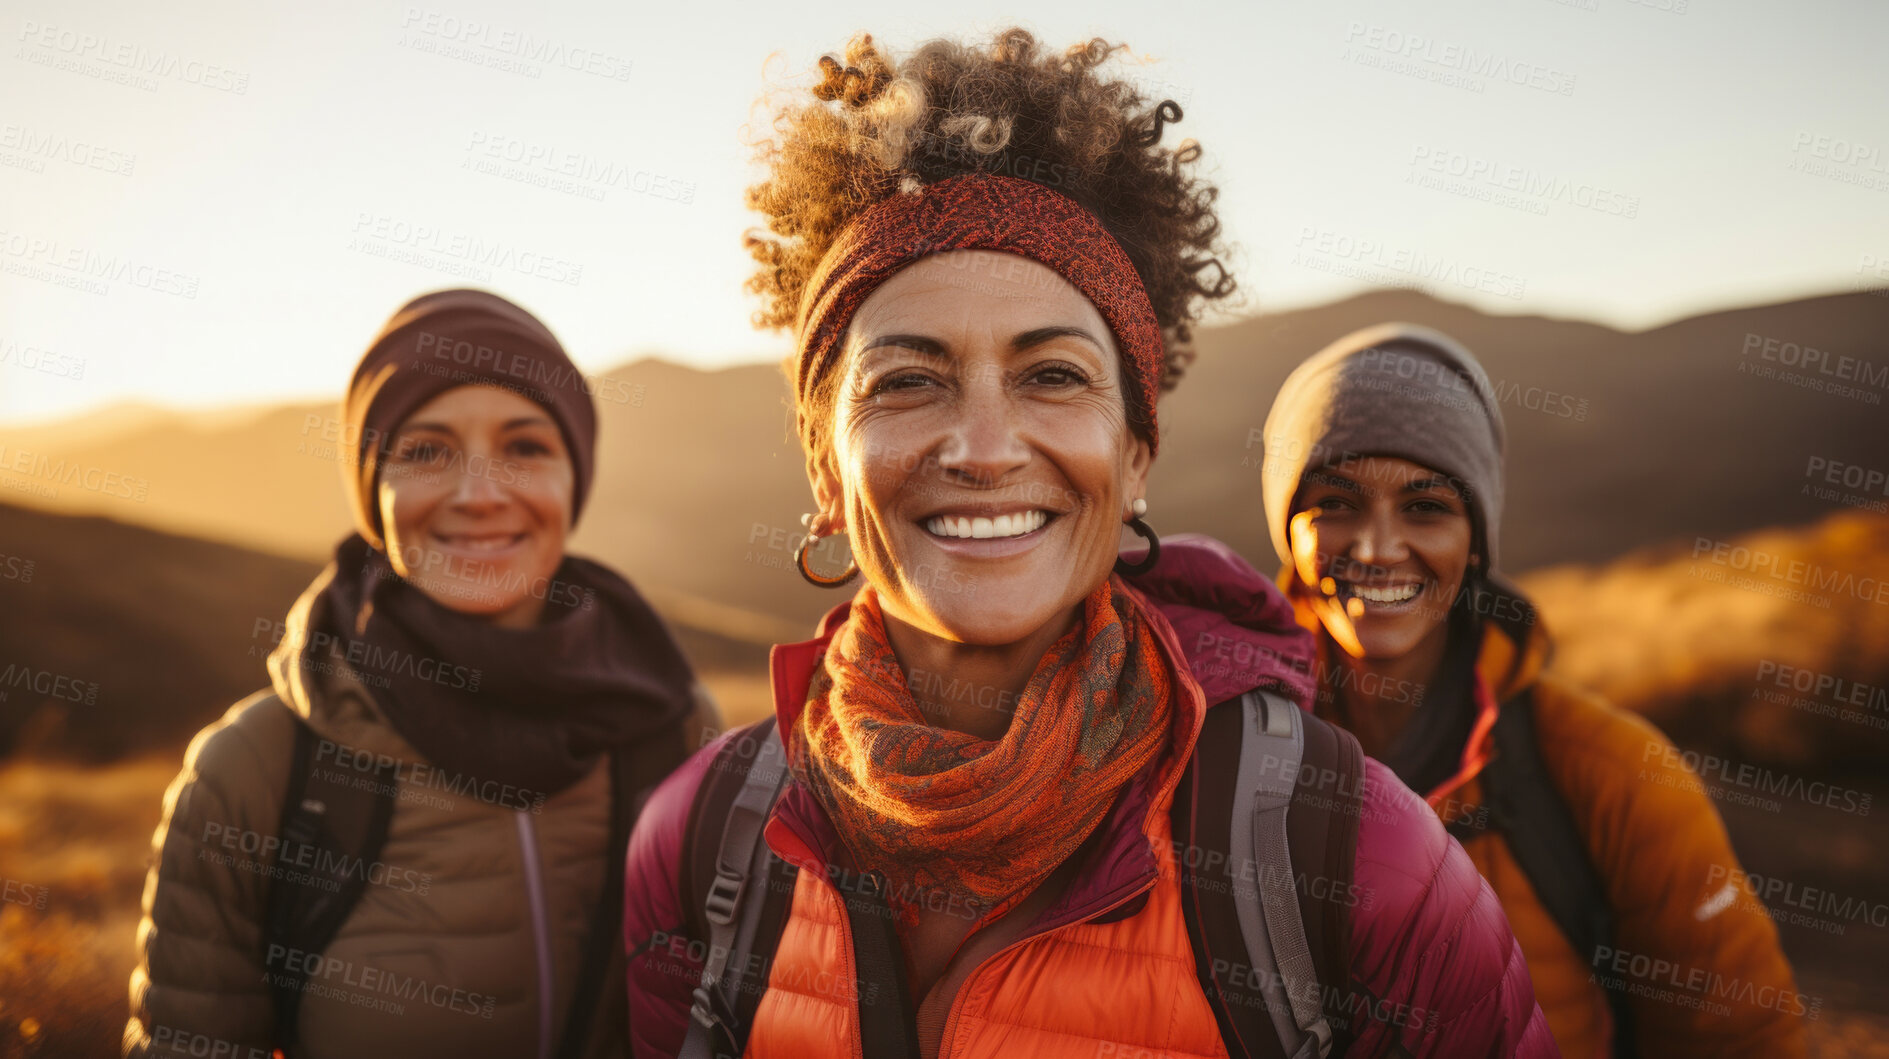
(1433, 939)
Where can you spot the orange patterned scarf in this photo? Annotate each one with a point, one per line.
(954, 820)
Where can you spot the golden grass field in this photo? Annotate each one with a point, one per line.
(74, 841)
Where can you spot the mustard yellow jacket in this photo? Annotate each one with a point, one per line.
(1699, 955)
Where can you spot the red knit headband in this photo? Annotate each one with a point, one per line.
(977, 211)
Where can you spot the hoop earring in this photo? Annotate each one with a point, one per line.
(800, 563)
(1141, 529)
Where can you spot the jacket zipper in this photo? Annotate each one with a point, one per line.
(540, 929)
(858, 1051)
(951, 1020)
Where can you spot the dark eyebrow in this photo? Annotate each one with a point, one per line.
(929, 347)
(1039, 335)
(430, 425)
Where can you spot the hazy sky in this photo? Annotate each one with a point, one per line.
(205, 204)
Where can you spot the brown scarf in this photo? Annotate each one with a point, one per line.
(984, 821)
(530, 707)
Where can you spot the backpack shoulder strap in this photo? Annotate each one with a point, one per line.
(334, 824)
(1272, 746)
(1534, 820)
(1267, 811)
(1327, 805)
(724, 856)
(634, 771)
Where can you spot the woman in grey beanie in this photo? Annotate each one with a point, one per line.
(1383, 491)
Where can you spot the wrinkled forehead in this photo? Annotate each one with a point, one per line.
(960, 291)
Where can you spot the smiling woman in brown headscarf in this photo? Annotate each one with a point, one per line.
(489, 703)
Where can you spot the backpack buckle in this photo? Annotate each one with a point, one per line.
(1317, 1043)
(722, 1029)
(724, 896)
(703, 1009)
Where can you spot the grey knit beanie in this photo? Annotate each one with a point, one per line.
(1390, 390)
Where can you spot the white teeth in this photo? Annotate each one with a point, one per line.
(986, 528)
(1386, 595)
(482, 544)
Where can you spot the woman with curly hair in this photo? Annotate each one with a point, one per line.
(990, 760)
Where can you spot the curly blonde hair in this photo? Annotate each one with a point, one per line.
(875, 127)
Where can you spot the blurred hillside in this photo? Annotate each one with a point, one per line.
(168, 631)
(1617, 441)
(157, 634)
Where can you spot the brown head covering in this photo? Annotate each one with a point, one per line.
(535, 707)
(455, 338)
(977, 211)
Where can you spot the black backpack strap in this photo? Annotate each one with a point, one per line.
(633, 771)
(1535, 821)
(888, 1025)
(1327, 805)
(334, 819)
(334, 824)
(1261, 779)
(735, 891)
